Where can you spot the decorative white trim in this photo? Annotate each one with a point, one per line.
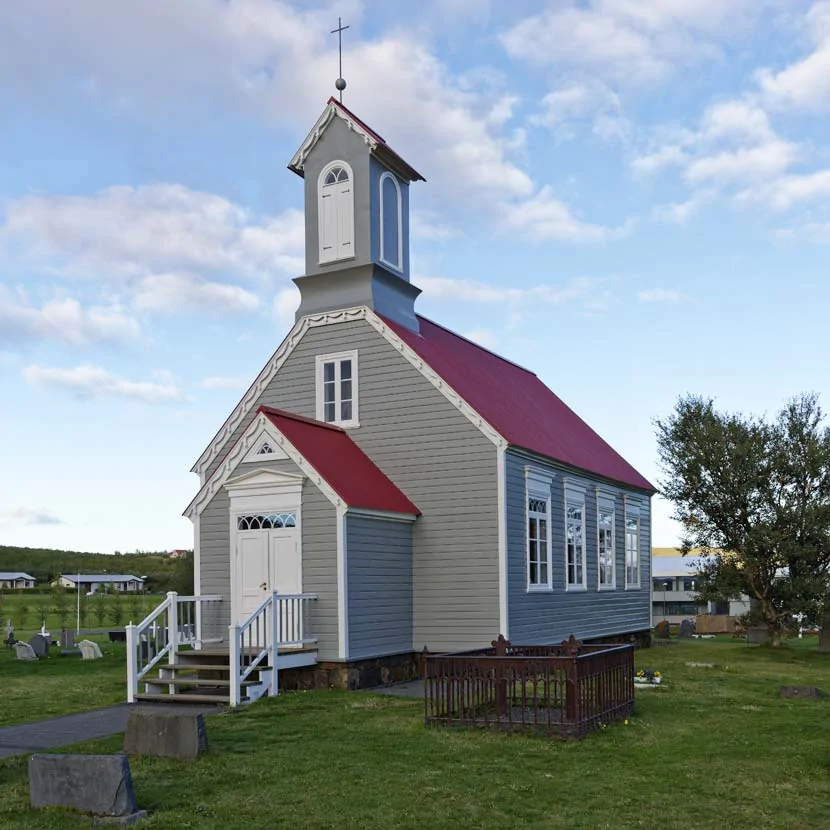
(384, 515)
(501, 499)
(632, 507)
(258, 426)
(337, 358)
(336, 257)
(342, 586)
(290, 343)
(399, 204)
(264, 450)
(267, 374)
(329, 113)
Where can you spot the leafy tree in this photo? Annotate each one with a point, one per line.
(23, 614)
(115, 611)
(99, 602)
(755, 495)
(60, 604)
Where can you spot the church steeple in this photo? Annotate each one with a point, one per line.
(356, 219)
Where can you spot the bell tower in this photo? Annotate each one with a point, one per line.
(356, 219)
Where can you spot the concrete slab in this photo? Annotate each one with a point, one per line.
(412, 688)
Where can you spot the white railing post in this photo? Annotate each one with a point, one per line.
(132, 664)
(233, 643)
(172, 631)
(197, 634)
(275, 643)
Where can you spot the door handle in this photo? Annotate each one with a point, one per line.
(263, 586)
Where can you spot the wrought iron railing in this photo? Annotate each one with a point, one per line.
(565, 690)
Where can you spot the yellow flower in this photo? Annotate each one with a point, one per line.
(626, 721)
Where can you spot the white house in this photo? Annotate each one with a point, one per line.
(16, 579)
(92, 582)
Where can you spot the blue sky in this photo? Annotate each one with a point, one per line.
(630, 197)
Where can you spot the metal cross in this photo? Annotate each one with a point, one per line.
(340, 83)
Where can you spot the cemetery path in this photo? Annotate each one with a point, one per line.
(62, 731)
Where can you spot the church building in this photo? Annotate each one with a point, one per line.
(416, 489)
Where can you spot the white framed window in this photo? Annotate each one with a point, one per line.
(574, 545)
(539, 538)
(391, 222)
(335, 212)
(632, 546)
(337, 389)
(606, 543)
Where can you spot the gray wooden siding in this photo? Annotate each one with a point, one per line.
(379, 566)
(437, 457)
(546, 617)
(319, 548)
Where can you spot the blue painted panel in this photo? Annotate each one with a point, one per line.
(379, 566)
(376, 170)
(551, 616)
(390, 212)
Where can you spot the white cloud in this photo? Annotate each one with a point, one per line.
(286, 304)
(787, 191)
(767, 160)
(175, 293)
(661, 295)
(484, 337)
(584, 290)
(88, 381)
(29, 516)
(430, 225)
(805, 84)
(811, 231)
(544, 217)
(224, 382)
(627, 41)
(63, 320)
(678, 213)
(653, 162)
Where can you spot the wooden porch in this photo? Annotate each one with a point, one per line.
(180, 654)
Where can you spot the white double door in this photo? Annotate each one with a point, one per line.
(266, 561)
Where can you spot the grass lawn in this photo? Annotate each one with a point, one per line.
(712, 748)
(58, 685)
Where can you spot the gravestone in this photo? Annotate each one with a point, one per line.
(100, 785)
(90, 650)
(23, 651)
(687, 628)
(165, 734)
(661, 630)
(757, 635)
(40, 645)
(67, 638)
(801, 692)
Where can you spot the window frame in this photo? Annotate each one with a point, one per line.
(607, 504)
(576, 498)
(399, 206)
(321, 260)
(633, 511)
(538, 487)
(337, 358)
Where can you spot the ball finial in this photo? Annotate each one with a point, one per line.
(340, 84)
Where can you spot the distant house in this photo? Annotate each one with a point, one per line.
(16, 579)
(177, 554)
(674, 586)
(93, 582)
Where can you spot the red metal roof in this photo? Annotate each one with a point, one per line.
(346, 468)
(517, 404)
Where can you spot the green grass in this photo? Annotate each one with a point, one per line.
(712, 748)
(27, 622)
(58, 685)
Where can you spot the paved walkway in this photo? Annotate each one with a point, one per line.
(71, 729)
(411, 688)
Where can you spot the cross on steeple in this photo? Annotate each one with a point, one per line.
(340, 84)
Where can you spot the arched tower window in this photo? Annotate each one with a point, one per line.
(335, 213)
(391, 230)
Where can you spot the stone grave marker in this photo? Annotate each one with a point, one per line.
(67, 638)
(661, 630)
(40, 645)
(687, 628)
(801, 692)
(23, 651)
(164, 733)
(757, 635)
(100, 785)
(90, 650)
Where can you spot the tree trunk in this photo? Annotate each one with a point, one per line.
(774, 634)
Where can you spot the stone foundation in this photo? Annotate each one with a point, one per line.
(356, 674)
